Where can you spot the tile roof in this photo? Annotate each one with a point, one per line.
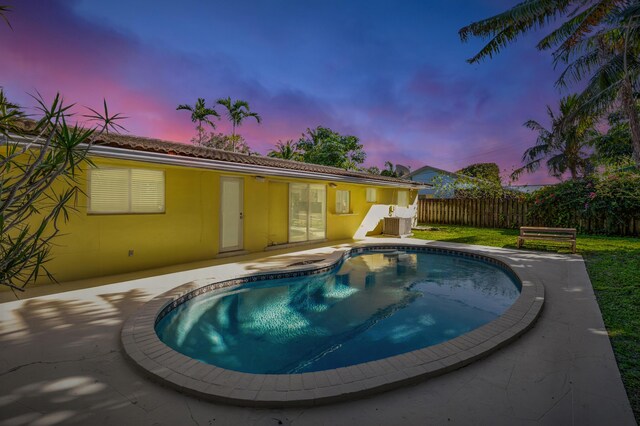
(138, 143)
(187, 150)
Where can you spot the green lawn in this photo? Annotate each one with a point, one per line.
(613, 264)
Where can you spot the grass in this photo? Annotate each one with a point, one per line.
(613, 264)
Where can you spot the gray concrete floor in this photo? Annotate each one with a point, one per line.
(61, 363)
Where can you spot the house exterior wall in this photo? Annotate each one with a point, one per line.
(278, 213)
(93, 245)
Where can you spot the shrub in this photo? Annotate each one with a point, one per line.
(609, 202)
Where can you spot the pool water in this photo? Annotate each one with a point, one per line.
(371, 306)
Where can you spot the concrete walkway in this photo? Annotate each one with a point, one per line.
(61, 363)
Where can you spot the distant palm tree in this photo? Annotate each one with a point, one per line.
(286, 151)
(200, 113)
(349, 164)
(389, 170)
(373, 170)
(237, 111)
(563, 146)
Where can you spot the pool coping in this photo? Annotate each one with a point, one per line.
(173, 369)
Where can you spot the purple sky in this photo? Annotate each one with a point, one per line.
(393, 75)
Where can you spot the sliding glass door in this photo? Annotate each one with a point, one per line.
(317, 212)
(307, 212)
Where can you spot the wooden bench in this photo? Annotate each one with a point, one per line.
(550, 234)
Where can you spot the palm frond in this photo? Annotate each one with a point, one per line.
(255, 115)
(239, 104)
(508, 26)
(576, 28)
(535, 126)
(579, 69)
(226, 102)
(3, 15)
(108, 122)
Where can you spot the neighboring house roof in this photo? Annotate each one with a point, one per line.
(442, 172)
(430, 168)
(160, 151)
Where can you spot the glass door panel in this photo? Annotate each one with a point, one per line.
(298, 212)
(307, 212)
(317, 212)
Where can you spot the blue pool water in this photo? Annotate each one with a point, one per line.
(371, 306)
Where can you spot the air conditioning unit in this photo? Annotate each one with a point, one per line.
(397, 226)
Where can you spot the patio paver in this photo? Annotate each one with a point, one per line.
(62, 363)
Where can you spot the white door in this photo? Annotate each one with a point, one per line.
(231, 213)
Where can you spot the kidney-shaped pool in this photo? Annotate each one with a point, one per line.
(371, 305)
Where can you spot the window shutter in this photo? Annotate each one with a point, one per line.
(371, 195)
(403, 198)
(342, 201)
(109, 191)
(126, 191)
(147, 191)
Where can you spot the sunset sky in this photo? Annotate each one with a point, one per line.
(392, 73)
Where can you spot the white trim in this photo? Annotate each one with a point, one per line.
(205, 163)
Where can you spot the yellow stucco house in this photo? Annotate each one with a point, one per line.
(150, 203)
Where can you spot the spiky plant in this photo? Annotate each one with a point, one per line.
(40, 165)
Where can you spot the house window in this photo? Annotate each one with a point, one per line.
(372, 195)
(342, 202)
(126, 191)
(403, 198)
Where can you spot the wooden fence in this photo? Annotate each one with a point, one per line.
(505, 213)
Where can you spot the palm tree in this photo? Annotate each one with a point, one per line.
(564, 145)
(286, 151)
(612, 60)
(389, 170)
(373, 170)
(350, 164)
(200, 113)
(598, 38)
(236, 113)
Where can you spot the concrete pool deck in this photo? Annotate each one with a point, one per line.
(61, 361)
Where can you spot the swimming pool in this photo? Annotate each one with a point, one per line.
(371, 305)
(280, 301)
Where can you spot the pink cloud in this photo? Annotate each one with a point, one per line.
(432, 118)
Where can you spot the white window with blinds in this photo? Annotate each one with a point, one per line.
(342, 202)
(372, 195)
(403, 198)
(113, 191)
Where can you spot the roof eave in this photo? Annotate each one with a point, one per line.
(205, 163)
(211, 164)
